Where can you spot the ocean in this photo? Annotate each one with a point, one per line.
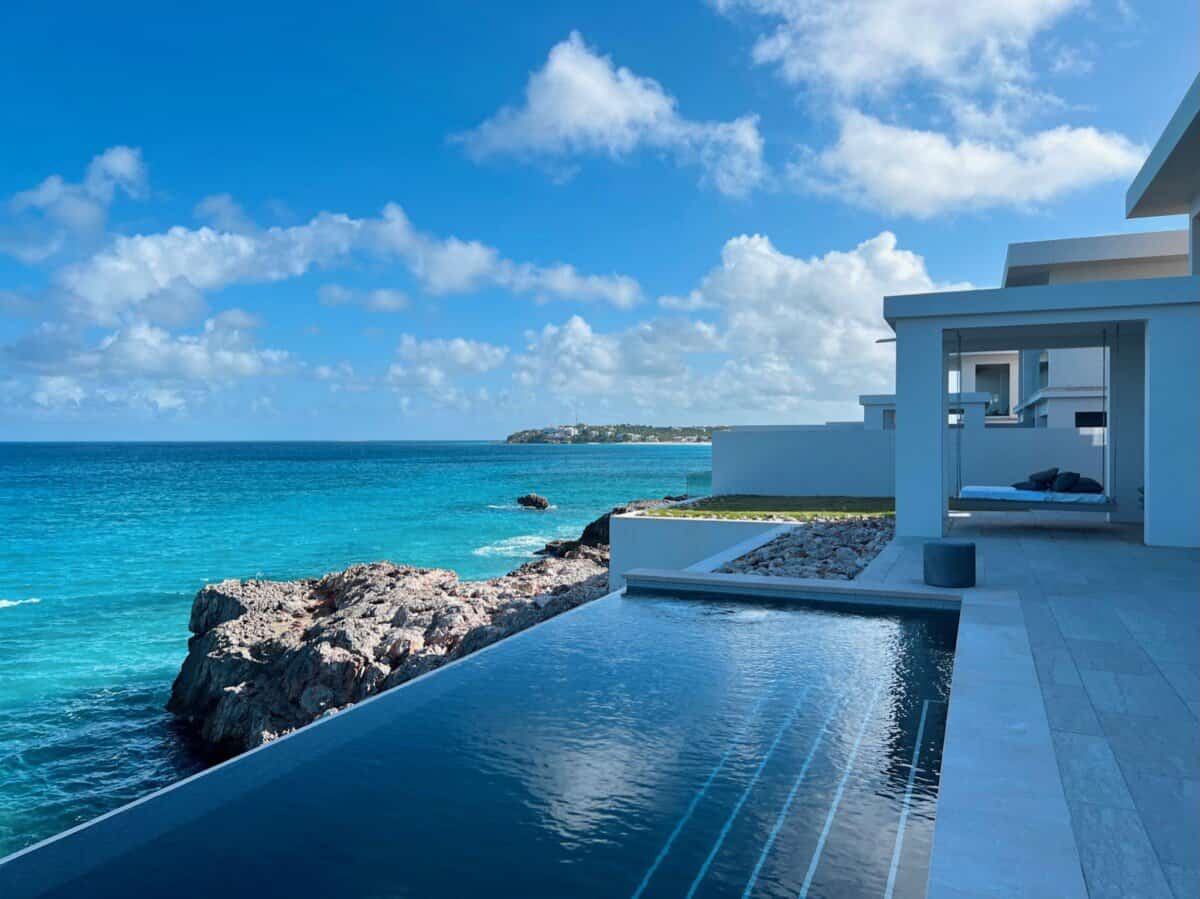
(103, 546)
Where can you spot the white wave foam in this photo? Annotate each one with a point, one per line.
(513, 547)
(8, 603)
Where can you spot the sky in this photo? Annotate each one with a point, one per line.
(454, 220)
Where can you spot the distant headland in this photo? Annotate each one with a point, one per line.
(584, 433)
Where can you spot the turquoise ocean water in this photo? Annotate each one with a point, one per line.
(103, 546)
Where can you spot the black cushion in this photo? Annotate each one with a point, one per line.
(1044, 478)
(1086, 485)
(1065, 481)
(1028, 485)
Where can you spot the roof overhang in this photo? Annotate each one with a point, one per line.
(1169, 181)
(1061, 299)
(1024, 259)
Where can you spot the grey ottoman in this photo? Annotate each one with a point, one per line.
(949, 563)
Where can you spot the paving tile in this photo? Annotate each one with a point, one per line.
(1184, 678)
(1185, 882)
(1089, 770)
(1135, 694)
(1170, 811)
(1169, 747)
(1087, 618)
(1069, 709)
(1115, 853)
(1106, 655)
(1042, 627)
(1056, 666)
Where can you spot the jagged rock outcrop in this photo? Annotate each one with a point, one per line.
(268, 657)
(596, 533)
(533, 501)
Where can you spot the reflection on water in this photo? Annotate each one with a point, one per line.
(645, 746)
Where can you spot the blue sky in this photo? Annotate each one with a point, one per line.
(454, 220)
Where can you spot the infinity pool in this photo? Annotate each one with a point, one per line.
(639, 746)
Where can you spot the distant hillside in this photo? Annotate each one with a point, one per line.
(581, 433)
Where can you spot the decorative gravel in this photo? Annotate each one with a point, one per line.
(834, 549)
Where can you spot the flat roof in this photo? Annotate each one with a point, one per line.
(1068, 298)
(1047, 254)
(1170, 178)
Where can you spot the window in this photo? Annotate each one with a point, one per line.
(1091, 420)
(889, 419)
(993, 379)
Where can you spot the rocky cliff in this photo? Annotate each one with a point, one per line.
(267, 657)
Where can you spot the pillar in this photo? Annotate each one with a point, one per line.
(920, 425)
(1172, 435)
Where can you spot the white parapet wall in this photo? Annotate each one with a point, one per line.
(641, 541)
(804, 461)
(823, 461)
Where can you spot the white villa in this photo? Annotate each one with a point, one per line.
(1127, 296)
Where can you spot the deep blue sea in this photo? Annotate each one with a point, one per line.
(103, 546)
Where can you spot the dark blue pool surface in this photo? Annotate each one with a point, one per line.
(641, 746)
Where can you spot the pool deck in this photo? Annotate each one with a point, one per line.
(1113, 628)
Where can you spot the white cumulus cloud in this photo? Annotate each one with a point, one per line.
(925, 173)
(857, 47)
(135, 269)
(46, 217)
(790, 338)
(580, 102)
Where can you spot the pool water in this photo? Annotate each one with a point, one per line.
(639, 746)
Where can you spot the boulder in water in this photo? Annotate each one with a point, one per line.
(533, 501)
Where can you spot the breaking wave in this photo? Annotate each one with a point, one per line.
(8, 603)
(513, 547)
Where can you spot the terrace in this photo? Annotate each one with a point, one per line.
(1113, 630)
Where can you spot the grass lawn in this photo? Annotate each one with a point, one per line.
(794, 508)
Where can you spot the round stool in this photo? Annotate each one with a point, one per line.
(949, 563)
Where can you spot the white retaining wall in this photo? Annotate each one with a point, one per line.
(807, 461)
(638, 541)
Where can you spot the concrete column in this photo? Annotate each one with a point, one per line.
(1126, 420)
(920, 425)
(1029, 382)
(1172, 463)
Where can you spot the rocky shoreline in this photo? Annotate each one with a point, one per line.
(268, 657)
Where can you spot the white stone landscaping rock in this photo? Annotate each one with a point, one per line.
(830, 548)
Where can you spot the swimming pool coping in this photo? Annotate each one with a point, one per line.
(1002, 826)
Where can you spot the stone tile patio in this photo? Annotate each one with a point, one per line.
(1114, 627)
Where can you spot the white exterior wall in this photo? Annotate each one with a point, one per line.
(1172, 443)
(920, 425)
(802, 461)
(1081, 367)
(815, 462)
(639, 541)
(1060, 410)
(1119, 269)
